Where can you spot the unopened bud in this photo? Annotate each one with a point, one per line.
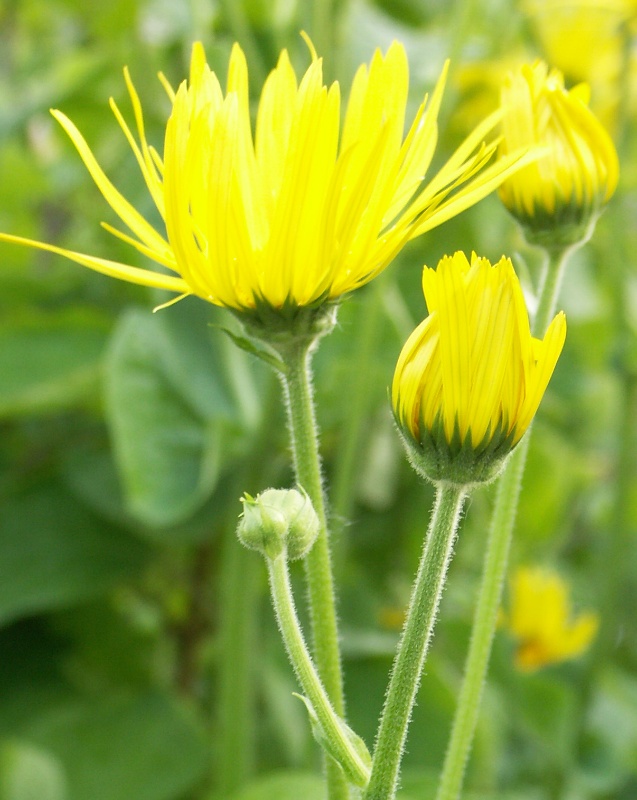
(262, 526)
(276, 520)
(303, 523)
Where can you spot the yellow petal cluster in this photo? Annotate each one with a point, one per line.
(559, 195)
(587, 41)
(540, 618)
(471, 377)
(312, 205)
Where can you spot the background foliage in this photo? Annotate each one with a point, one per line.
(139, 655)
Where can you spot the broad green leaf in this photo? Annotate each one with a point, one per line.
(53, 553)
(146, 747)
(48, 363)
(545, 709)
(422, 785)
(612, 728)
(178, 407)
(285, 786)
(289, 736)
(29, 773)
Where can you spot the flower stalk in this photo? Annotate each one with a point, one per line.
(495, 566)
(283, 525)
(297, 386)
(335, 736)
(414, 643)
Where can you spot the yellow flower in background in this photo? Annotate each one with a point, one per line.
(471, 377)
(304, 211)
(558, 197)
(540, 618)
(479, 85)
(586, 40)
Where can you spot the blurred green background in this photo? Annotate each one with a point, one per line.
(138, 653)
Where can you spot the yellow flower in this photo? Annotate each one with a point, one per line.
(471, 377)
(586, 40)
(558, 197)
(540, 618)
(304, 211)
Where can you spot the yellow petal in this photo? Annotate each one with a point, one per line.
(114, 269)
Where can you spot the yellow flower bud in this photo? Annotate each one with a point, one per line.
(471, 377)
(558, 197)
(540, 619)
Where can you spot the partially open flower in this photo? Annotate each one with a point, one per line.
(558, 197)
(303, 211)
(471, 377)
(541, 621)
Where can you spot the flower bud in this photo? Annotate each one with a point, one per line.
(303, 524)
(278, 520)
(559, 196)
(471, 377)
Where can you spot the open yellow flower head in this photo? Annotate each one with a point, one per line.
(312, 205)
(541, 620)
(471, 377)
(558, 197)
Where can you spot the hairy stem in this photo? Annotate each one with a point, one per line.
(494, 570)
(318, 568)
(414, 643)
(332, 727)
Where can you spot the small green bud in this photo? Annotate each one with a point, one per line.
(262, 526)
(303, 522)
(276, 520)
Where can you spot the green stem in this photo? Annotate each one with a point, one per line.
(318, 569)
(331, 726)
(494, 570)
(356, 421)
(414, 643)
(484, 623)
(238, 607)
(551, 280)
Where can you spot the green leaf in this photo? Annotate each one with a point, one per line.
(610, 754)
(145, 747)
(114, 741)
(423, 784)
(255, 348)
(284, 786)
(327, 743)
(546, 709)
(55, 554)
(174, 410)
(48, 363)
(29, 773)
(288, 736)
